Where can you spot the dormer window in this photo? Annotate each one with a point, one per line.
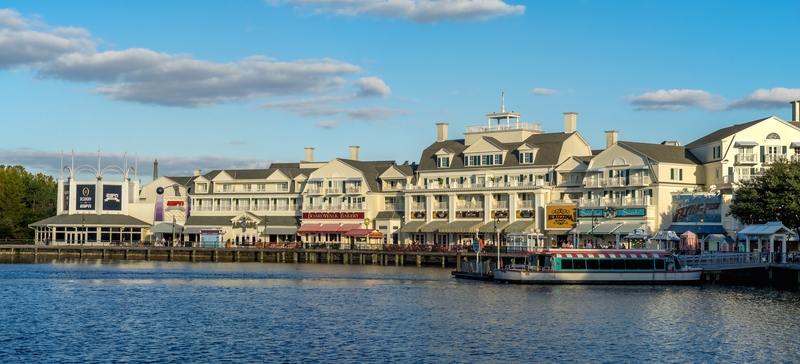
(525, 157)
(443, 162)
(484, 160)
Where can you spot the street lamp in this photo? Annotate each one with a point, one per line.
(173, 231)
(83, 229)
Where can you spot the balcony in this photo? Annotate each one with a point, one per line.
(223, 208)
(333, 191)
(354, 190)
(394, 206)
(737, 177)
(525, 204)
(469, 205)
(203, 208)
(500, 205)
(742, 158)
(314, 190)
(504, 127)
(394, 187)
(338, 207)
(242, 207)
(280, 208)
(470, 185)
(616, 182)
(281, 189)
(594, 182)
(615, 201)
(772, 158)
(440, 206)
(639, 181)
(418, 206)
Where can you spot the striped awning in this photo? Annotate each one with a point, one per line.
(308, 228)
(433, 226)
(461, 227)
(524, 226)
(638, 254)
(490, 227)
(347, 227)
(412, 227)
(328, 228)
(166, 228)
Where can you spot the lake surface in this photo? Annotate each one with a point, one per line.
(71, 311)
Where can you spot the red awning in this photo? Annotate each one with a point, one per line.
(347, 227)
(364, 232)
(308, 228)
(328, 228)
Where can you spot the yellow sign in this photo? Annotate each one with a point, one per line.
(560, 216)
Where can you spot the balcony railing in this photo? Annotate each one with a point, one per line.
(334, 191)
(639, 181)
(354, 189)
(488, 184)
(469, 206)
(395, 187)
(742, 158)
(500, 205)
(772, 158)
(242, 207)
(204, 208)
(394, 206)
(418, 206)
(222, 208)
(524, 204)
(314, 190)
(503, 127)
(440, 206)
(339, 207)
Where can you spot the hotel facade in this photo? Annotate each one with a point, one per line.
(505, 175)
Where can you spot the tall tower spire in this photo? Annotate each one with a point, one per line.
(503, 100)
(155, 170)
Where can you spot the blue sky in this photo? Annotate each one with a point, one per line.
(240, 84)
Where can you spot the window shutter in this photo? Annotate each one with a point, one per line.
(590, 194)
(730, 171)
(505, 178)
(752, 171)
(680, 175)
(547, 177)
(650, 192)
(762, 154)
(447, 180)
(627, 177)
(426, 181)
(672, 173)
(784, 149)
(530, 177)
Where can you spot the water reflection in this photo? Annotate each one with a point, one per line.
(87, 310)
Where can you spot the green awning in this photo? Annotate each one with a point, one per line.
(583, 227)
(412, 227)
(433, 226)
(606, 228)
(524, 226)
(490, 227)
(461, 227)
(629, 228)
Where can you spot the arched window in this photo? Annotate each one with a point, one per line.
(773, 136)
(619, 161)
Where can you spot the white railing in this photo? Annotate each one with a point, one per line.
(593, 182)
(354, 189)
(204, 208)
(614, 201)
(746, 158)
(520, 125)
(222, 208)
(394, 206)
(500, 205)
(719, 260)
(469, 206)
(314, 190)
(639, 181)
(488, 184)
(525, 204)
(242, 207)
(333, 191)
(440, 206)
(772, 158)
(418, 206)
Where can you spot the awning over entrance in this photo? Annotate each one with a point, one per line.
(523, 226)
(347, 227)
(328, 228)
(433, 226)
(308, 228)
(412, 227)
(192, 230)
(699, 229)
(463, 227)
(364, 232)
(606, 228)
(280, 230)
(490, 227)
(583, 228)
(166, 228)
(629, 228)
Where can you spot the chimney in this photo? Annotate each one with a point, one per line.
(570, 122)
(309, 155)
(611, 137)
(353, 152)
(155, 169)
(441, 132)
(196, 172)
(795, 110)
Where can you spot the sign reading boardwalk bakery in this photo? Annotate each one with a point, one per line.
(333, 215)
(560, 216)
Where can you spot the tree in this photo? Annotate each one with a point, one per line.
(772, 196)
(24, 199)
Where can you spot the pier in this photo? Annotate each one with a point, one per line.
(745, 269)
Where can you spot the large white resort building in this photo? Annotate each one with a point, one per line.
(505, 175)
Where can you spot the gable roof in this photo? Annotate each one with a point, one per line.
(549, 145)
(722, 133)
(371, 170)
(663, 153)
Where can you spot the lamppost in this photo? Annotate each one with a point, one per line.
(83, 229)
(698, 217)
(594, 225)
(173, 231)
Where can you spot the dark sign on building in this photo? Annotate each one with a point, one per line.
(112, 198)
(85, 199)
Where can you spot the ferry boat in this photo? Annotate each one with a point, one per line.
(599, 266)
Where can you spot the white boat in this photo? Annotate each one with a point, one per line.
(599, 266)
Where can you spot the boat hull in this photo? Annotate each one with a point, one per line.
(688, 276)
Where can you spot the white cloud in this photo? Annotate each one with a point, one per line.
(418, 11)
(11, 19)
(763, 99)
(71, 32)
(677, 100)
(372, 86)
(49, 162)
(26, 47)
(319, 107)
(776, 98)
(327, 124)
(543, 91)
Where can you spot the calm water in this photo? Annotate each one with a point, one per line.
(92, 311)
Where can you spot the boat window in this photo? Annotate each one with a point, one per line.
(677, 263)
(592, 264)
(606, 264)
(546, 261)
(579, 264)
(659, 264)
(619, 264)
(631, 264)
(645, 264)
(566, 264)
